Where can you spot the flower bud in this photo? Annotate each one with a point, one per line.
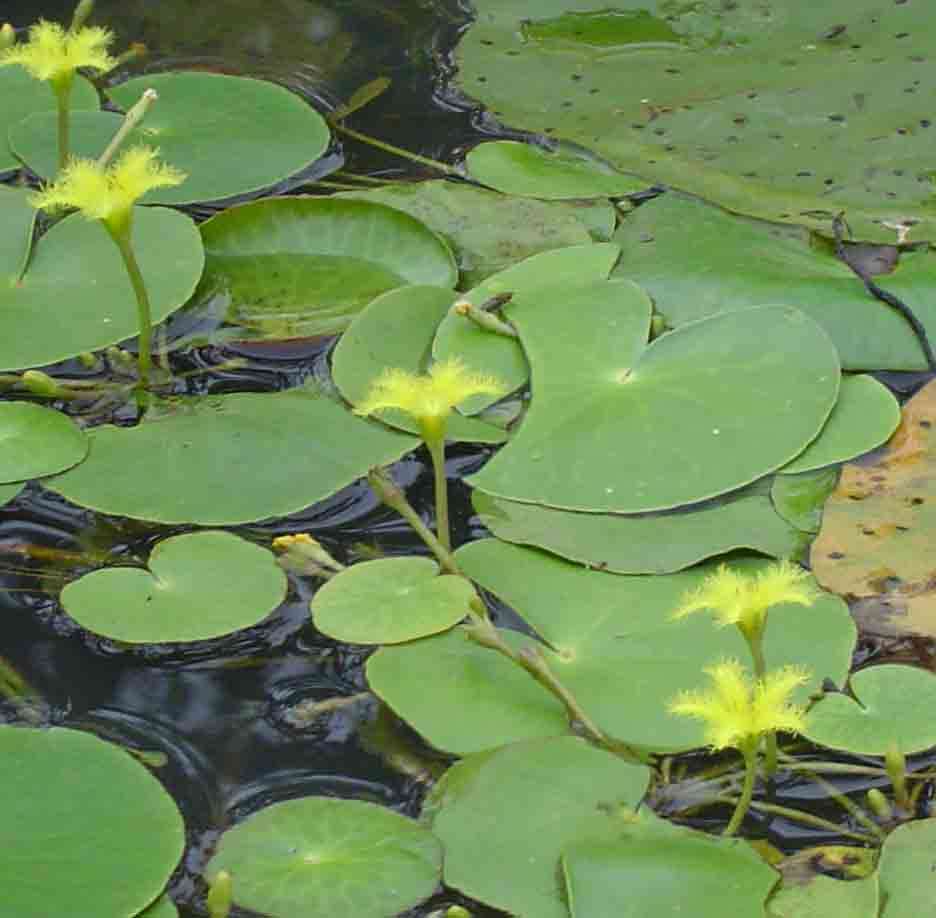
(220, 895)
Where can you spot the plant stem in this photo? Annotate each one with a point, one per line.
(132, 118)
(755, 642)
(144, 313)
(396, 151)
(62, 90)
(809, 819)
(390, 494)
(436, 446)
(483, 632)
(747, 790)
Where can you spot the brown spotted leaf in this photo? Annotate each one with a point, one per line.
(878, 532)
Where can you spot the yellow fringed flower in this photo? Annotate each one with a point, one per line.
(736, 599)
(53, 53)
(108, 194)
(429, 398)
(738, 710)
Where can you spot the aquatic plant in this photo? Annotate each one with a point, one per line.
(107, 193)
(741, 712)
(54, 55)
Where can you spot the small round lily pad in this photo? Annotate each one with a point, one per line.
(396, 330)
(87, 831)
(322, 856)
(36, 441)
(551, 174)
(390, 600)
(895, 706)
(230, 135)
(656, 868)
(197, 586)
(505, 816)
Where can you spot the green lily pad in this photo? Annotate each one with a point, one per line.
(21, 95)
(229, 459)
(609, 638)
(43, 324)
(822, 896)
(736, 263)
(488, 231)
(230, 135)
(732, 102)
(288, 267)
(864, 416)
(551, 174)
(36, 441)
(320, 856)
(503, 357)
(895, 706)
(505, 816)
(639, 427)
(195, 586)
(396, 330)
(875, 545)
(56, 812)
(654, 868)
(799, 499)
(390, 600)
(657, 543)
(908, 883)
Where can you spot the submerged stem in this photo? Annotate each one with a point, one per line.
(396, 151)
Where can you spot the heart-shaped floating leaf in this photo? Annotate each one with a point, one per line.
(56, 811)
(864, 416)
(288, 267)
(505, 816)
(908, 882)
(21, 95)
(229, 459)
(799, 499)
(230, 135)
(658, 543)
(487, 231)
(319, 856)
(876, 540)
(736, 263)
(699, 97)
(612, 642)
(196, 586)
(541, 172)
(396, 330)
(390, 600)
(75, 295)
(895, 706)
(37, 441)
(698, 412)
(501, 356)
(655, 868)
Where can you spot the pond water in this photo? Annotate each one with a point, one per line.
(228, 719)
